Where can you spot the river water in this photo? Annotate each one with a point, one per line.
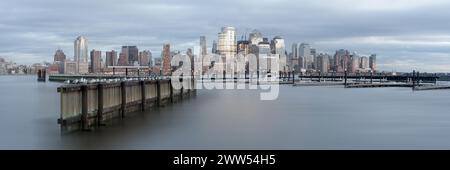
(301, 118)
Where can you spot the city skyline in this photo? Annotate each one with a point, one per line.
(31, 32)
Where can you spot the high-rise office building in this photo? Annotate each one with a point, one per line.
(123, 59)
(111, 58)
(243, 47)
(214, 47)
(354, 64)
(166, 55)
(262, 56)
(70, 67)
(81, 49)
(364, 63)
(150, 59)
(59, 56)
(255, 37)
(144, 58)
(313, 52)
(341, 60)
(295, 50)
(278, 47)
(305, 52)
(373, 62)
(81, 55)
(132, 54)
(226, 45)
(190, 54)
(203, 48)
(96, 61)
(322, 63)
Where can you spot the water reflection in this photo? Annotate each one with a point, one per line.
(302, 118)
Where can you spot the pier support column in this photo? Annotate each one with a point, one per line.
(158, 92)
(123, 86)
(414, 79)
(345, 78)
(257, 77)
(182, 89)
(84, 108)
(293, 77)
(371, 77)
(194, 90)
(224, 77)
(142, 83)
(100, 104)
(171, 91)
(435, 79)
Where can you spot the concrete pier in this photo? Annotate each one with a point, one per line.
(84, 106)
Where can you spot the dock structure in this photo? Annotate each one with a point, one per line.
(375, 85)
(422, 88)
(85, 106)
(42, 75)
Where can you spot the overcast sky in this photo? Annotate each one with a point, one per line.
(405, 34)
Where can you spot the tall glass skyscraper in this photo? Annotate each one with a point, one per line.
(81, 54)
(227, 42)
(81, 49)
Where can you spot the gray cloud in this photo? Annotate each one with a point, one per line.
(405, 34)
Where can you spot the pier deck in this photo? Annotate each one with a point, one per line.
(86, 105)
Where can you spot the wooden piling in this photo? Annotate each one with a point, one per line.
(100, 104)
(345, 78)
(293, 77)
(84, 108)
(181, 90)
(371, 77)
(123, 86)
(143, 98)
(171, 91)
(418, 78)
(158, 92)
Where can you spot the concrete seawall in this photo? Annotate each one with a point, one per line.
(84, 106)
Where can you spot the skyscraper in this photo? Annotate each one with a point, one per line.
(96, 61)
(81, 55)
(243, 46)
(354, 64)
(227, 42)
(295, 50)
(341, 60)
(144, 57)
(132, 54)
(255, 37)
(111, 58)
(322, 63)
(262, 56)
(123, 59)
(364, 63)
(190, 54)
(214, 47)
(166, 68)
(203, 47)
(278, 47)
(305, 52)
(59, 56)
(81, 49)
(373, 62)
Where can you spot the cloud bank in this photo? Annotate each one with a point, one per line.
(406, 34)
